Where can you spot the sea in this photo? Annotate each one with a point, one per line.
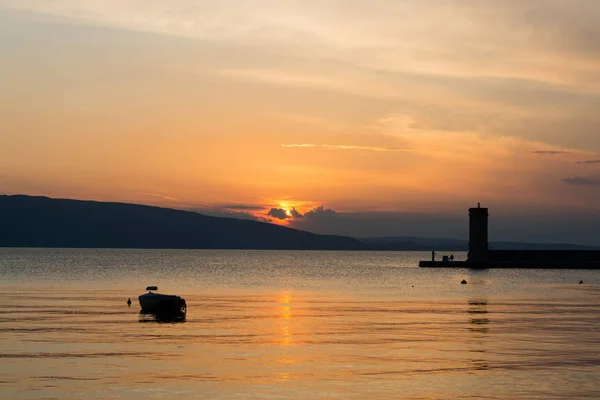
(293, 325)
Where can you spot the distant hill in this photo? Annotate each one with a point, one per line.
(27, 221)
(408, 243)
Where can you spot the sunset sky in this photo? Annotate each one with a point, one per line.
(364, 118)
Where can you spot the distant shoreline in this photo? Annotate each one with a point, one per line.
(42, 222)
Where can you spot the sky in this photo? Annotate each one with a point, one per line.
(362, 118)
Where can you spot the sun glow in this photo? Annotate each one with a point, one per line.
(390, 144)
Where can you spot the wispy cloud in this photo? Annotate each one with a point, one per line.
(224, 213)
(581, 181)
(588, 162)
(346, 147)
(162, 196)
(550, 152)
(236, 207)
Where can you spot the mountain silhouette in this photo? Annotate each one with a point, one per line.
(28, 221)
(31, 221)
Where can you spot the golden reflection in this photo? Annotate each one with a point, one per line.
(283, 377)
(285, 318)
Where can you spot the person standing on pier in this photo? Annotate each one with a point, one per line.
(433, 255)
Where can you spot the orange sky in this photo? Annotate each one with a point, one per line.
(386, 106)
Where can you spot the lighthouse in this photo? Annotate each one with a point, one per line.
(480, 256)
(478, 234)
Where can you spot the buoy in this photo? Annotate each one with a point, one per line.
(129, 301)
(463, 282)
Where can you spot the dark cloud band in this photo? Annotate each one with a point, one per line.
(581, 181)
(588, 162)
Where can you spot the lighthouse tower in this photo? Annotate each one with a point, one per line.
(478, 234)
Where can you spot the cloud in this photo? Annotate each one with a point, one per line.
(373, 224)
(242, 207)
(296, 214)
(278, 77)
(281, 213)
(588, 162)
(319, 212)
(346, 147)
(159, 195)
(217, 212)
(278, 213)
(550, 152)
(309, 49)
(581, 181)
(507, 225)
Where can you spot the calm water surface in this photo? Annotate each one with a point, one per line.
(303, 325)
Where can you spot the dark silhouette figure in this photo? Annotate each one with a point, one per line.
(463, 282)
(580, 282)
(129, 301)
(433, 255)
(451, 257)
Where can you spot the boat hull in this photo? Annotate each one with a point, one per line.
(156, 303)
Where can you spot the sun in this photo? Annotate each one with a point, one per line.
(288, 213)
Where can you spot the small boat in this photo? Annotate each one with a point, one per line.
(157, 303)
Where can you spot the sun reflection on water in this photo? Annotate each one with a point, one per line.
(285, 318)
